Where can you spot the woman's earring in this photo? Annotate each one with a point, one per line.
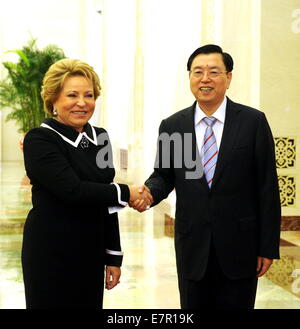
(54, 112)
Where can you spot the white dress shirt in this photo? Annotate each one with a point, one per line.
(200, 125)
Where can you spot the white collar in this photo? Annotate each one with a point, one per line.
(219, 114)
(78, 139)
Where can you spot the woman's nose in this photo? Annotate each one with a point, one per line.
(81, 102)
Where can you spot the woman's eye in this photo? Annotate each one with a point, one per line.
(71, 95)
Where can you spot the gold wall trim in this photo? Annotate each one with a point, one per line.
(287, 188)
(285, 152)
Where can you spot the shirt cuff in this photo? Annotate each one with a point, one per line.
(122, 203)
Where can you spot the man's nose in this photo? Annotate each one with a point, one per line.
(205, 76)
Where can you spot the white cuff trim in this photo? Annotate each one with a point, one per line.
(122, 203)
(113, 252)
(112, 210)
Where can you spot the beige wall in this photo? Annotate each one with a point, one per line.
(146, 45)
(280, 91)
(235, 26)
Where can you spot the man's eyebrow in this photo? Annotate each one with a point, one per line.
(210, 67)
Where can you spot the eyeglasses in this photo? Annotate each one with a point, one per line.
(213, 74)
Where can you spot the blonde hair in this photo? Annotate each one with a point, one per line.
(56, 75)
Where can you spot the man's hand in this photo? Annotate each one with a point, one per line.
(140, 198)
(112, 276)
(263, 265)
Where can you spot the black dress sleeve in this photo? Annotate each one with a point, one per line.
(47, 165)
(113, 253)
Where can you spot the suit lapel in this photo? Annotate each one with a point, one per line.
(231, 126)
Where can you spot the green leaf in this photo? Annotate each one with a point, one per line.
(21, 54)
(20, 91)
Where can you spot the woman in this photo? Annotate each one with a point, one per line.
(72, 232)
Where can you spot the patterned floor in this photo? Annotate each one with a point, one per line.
(148, 273)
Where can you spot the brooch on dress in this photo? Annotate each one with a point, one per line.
(84, 142)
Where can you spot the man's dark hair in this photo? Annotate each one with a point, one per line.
(211, 49)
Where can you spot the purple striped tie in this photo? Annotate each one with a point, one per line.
(210, 150)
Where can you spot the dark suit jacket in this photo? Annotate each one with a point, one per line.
(241, 212)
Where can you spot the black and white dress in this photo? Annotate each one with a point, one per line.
(72, 231)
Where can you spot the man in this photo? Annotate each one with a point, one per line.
(227, 226)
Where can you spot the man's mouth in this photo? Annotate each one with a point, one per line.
(206, 88)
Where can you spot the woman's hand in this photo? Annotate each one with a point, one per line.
(112, 276)
(140, 198)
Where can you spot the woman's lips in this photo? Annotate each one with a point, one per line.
(79, 112)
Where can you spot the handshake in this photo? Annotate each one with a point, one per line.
(140, 198)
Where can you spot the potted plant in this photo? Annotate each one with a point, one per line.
(21, 89)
